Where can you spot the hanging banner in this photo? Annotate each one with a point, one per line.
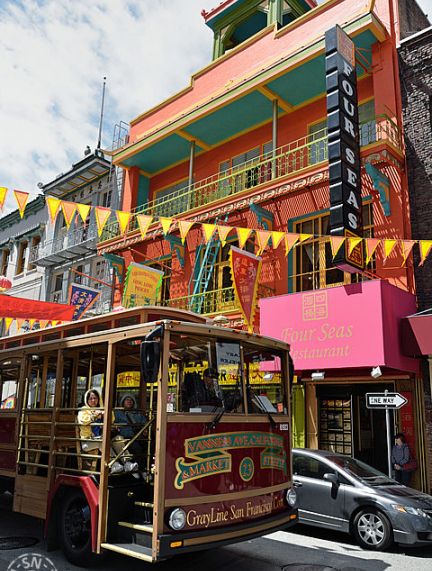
(245, 272)
(18, 307)
(82, 298)
(118, 265)
(142, 285)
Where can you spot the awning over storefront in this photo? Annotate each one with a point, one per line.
(353, 326)
(417, 334)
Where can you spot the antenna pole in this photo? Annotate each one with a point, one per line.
(101, 114)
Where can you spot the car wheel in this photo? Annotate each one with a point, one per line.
(75, 530)
(372, 530)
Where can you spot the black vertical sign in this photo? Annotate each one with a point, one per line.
(343, 147)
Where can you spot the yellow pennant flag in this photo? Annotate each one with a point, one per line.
(43, 323)
(388, 247)
(184, 227)
(101, 214)
(243, 234)
(277, 238)
(53, 205)
(68, 209)
(21, 199)
(336, 243)
(144, 224)
(123, 220)
(223, 232)
(407, 246)
(8, 323)
(425, 246)
(208, 231)
(83, 211)
(31, 322)
(304, 237)
(371, 245)
(3, 193)
(290, 241)
(353, 243)
(166, 224)
(263, 236)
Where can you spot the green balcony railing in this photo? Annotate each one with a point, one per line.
(285, 161)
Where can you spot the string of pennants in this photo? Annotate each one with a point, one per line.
(265, 238)
(31, 323)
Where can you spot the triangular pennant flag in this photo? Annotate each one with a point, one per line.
(8, 323)
(184, 227)
(55, 322)
(388, 247)
(243, 234)
(352, 243)
(304, 237)
(166, 224)
(336, 243)
(144, 224)
(425, 246)
(3, 193)
(290, 241)
(371, 245)
(43, 323)
(20, 323)
(277, 238)
(31, 322)
(407, 246)
(263, 236)
(208, 231)
(53, 205)
(123, 220)
(101, 214)
(83, 210)
(21, 199)
(68, 209)
(223, 232)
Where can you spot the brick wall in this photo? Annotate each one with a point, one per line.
(415, 60)
(411, 18)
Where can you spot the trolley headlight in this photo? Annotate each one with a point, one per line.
(177, 519)
(291, 497)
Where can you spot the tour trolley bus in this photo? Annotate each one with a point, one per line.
(204, 473)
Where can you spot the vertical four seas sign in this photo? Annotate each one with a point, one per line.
(343, 148)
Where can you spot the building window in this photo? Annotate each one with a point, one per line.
(34, 252)
(22, 253)
(5, 261)
(106, 198)
(57, 291)
(173, 199)
(313, 260)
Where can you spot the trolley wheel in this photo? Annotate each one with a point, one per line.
(75, 529)
(372, 530)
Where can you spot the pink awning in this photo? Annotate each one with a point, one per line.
(21, 308)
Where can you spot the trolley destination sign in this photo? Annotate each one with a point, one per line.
(385, 400)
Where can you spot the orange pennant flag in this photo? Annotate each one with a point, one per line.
(102, 214)
(68, 209)
(83, 211)
(208, 231)
(336, 243)
(166, 224)
(20, 323)
(3, 193)
(352, 243)
(123, 220)
(407, 246)
(21, 199)
(53, 205)
(263, 236)
(223, 232)
(371, 245)
(425, 246)
(304, 237)
(43, 323)
(277, 238)
(144, 223)
(290, 242)
(243, 234)
(8, 323)
(388, 247)
(184, 227)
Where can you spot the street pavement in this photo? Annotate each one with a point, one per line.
(303, 549)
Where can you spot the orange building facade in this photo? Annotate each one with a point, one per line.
(245, 145)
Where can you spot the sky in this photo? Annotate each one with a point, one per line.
(54, 55)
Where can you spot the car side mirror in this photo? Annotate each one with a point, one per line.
(150, 360)
(331, 478)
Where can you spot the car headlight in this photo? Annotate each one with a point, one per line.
(409, 510)
(291, 497)
(177, 519)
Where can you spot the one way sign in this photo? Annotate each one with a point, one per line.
(385, 400)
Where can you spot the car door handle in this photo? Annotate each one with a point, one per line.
(297, 484)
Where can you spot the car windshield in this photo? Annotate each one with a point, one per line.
(360, 470)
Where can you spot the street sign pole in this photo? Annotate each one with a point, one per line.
(389, 444)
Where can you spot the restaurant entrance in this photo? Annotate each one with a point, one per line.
(348, 427)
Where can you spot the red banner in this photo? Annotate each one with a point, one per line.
(18, 307)
(245, 272)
